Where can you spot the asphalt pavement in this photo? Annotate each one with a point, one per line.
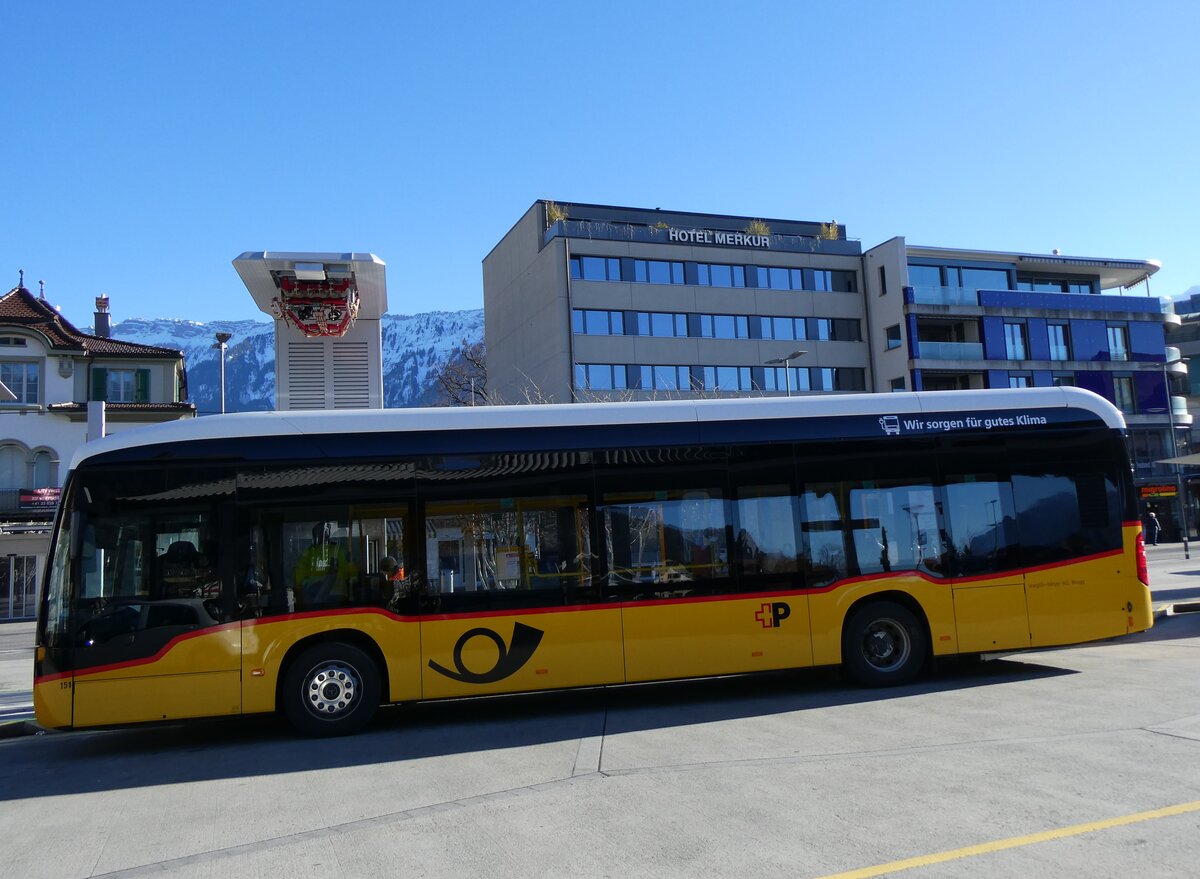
(1051, 763)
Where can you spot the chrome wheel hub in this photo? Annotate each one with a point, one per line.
(330, 689)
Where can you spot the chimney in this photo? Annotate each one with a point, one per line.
(102, 326)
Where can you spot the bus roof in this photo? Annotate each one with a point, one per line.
(367, 421)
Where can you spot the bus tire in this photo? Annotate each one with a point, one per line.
(331, 689)
(883, 644)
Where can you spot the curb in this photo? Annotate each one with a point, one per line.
(11, 729)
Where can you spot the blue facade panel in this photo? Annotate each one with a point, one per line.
(997, 378)
(1039, 342)
(993, 341)
(1069, 302)
(1043, 378)
(1146, 341)
(1099, 382)
(1150, 389)
(1089, 340)
(914, 344)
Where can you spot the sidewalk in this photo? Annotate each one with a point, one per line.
(16, 677)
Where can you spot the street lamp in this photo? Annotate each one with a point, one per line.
(222, 338)
(1176, 469)
(786, 360)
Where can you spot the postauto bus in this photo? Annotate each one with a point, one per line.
(321, 564)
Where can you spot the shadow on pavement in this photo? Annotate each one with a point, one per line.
(1169, 628)
(1176, 594)
(70, 763)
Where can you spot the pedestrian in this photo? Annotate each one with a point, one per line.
(1153, 527)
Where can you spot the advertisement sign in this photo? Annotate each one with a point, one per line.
(38, 498)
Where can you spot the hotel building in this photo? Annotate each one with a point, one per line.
(594, 302)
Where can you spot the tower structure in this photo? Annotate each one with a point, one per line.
(327, 309)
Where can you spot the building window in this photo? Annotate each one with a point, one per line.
(794, 378)
(662, 323)
(657, 271)
(23, 379)
(1063, 379)
(1123, 394)
(121, 385)
(925, 276)
(897, 384)
(894, 339)
(785, 328)
(832, 280)
(1060, 348)
(45, 471)
(882, 282)
(592, 322)
(727, 378)
(1014, 341)
(600, 376)
(985, 279)
(12, 342)
(595, 268)
(714, 275)
(724, 326)
(1118, 342)
(1055, 285)
(1019, 380)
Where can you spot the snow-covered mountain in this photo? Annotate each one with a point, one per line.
(415, 348)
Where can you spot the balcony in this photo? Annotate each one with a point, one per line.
(950, 350)
(944, 296)
(1044, 301)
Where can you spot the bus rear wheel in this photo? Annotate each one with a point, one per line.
(331, 689)
(883, 644)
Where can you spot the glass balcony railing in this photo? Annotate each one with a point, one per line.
(950, 350)
(945, 296)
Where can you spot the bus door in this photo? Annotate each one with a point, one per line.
(707, 582)
(990, 608)
(153, 633)
(1069, 513)
(508, 600)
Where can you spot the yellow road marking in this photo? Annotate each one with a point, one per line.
(1014, 842)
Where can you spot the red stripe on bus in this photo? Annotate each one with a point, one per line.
(578, 608)
(130, 663)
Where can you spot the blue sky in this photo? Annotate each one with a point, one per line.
(148, 144)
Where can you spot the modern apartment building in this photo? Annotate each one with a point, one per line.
(593, 302)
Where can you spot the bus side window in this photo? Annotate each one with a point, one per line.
(1067, 505)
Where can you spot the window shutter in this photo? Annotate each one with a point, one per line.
(141, 386)
(99, 383)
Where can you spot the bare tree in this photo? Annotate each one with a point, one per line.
(463, 380)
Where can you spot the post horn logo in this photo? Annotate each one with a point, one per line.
(525, 640)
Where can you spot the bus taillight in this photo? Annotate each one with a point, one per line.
(1143, 571)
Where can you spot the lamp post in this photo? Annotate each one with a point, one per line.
(222, 338)
(1175, 468)
(786, 360)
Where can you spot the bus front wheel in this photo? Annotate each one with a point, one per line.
(331, 689)
(883, 644)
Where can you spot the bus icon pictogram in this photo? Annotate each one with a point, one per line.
(890, 425)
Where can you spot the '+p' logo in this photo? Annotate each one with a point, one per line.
(772, 613)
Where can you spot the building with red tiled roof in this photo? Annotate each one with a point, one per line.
(52, 371)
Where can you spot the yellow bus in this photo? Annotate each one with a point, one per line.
(321, 564)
